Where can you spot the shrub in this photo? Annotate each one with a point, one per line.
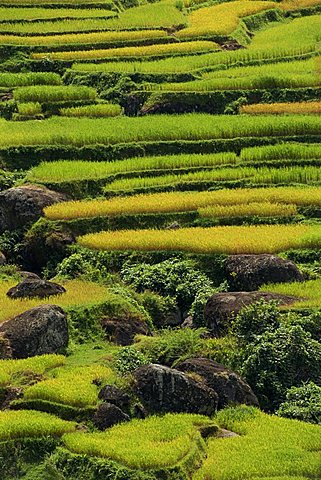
(128, 359)
(256, 319)
(302, 403)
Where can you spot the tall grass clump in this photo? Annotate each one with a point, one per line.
(182, 48)
(54, 93)
(29, 79)
(9, 369)
(29, 423)
(152, 443)
(309, 291)
(29, 109)
(275, 447)
(37, 13)
(229, 240)
(281, 151)
(265, 209)
(74, 386)
(81, 170)
(93, 111)
(182, 202)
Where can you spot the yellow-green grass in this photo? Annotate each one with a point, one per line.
(264, 209)
(192, 127)
(9, 14)
(64, 170)
(33, 3)
(27, 79)
(182, 202)
(22, 424)
(309, 290)
(45, 93)
(230, 240)
(267, 446)
(281, 151)
(303, 108)
(74, 386)
(277, 42)
(297, 4)
(153, 443)
(38, 365)
(221, 19)
(71, 39)
(29, 109)
(78, 292)
(152, 15)
(142, 51)
(263, 175)
(93, 111)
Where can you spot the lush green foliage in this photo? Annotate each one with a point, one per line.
(93, 111)
(53, 93)
(10, 370)
(302, 403)
(29, 79)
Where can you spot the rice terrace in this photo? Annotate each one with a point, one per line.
(160, 240)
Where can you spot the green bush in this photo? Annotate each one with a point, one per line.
(128, 359)
(256, 319)
(177, 278)
(302, 403)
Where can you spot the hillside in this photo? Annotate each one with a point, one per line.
(160, 240)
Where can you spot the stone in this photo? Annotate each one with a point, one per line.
(123, 331)
(35, 288)
(114, 395)
(162, 389)
(37, 331)
(229, 386)
(5, 349)
(3, 259)
(250, 272)
(221, 308)
(28, 275)
(20, 206)
(107, 415)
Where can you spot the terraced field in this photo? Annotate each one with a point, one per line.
(145, 145)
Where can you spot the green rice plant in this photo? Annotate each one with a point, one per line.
(142, 51)
(74, 386)
(265, 209)
(93, 111)
(78, 292)
(28, 79)
(281, 151)
(275, 447)
(152, 443)
(82, 170)
(265, 175)
(282, 108)
(29, 109)
(226, 239)
(277, 42)
(298, 4)
(221, 19)
(38, 365)
(28, 423)
(9, 14)
(182, 202)
(28, 3)
(71, 39)
(50, 93)
(163, 14)
(309, 291)
(192, 127)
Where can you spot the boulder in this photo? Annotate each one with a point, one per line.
(229, 386)
(37, 331)
(107, 415)
(249, 272)
(123, 331)
(3, 259)
(221, 308)
(114, 395)
(5, 349)
(35, 288)
(28, 275)
(162, 389)
(20, 206)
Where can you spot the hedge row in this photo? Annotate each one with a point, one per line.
(25, 157)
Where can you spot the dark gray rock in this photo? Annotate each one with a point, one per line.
(107, 415)
(229, 386)
(221, 308)
(35, 288)
(162, 389)
(5, 349)
(28, 275)
(20, 206)
(123, 331)
(112, 394)
(249, 272)
(3, 259)
(37, 331)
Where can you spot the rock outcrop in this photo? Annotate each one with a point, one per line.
(35, 288)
